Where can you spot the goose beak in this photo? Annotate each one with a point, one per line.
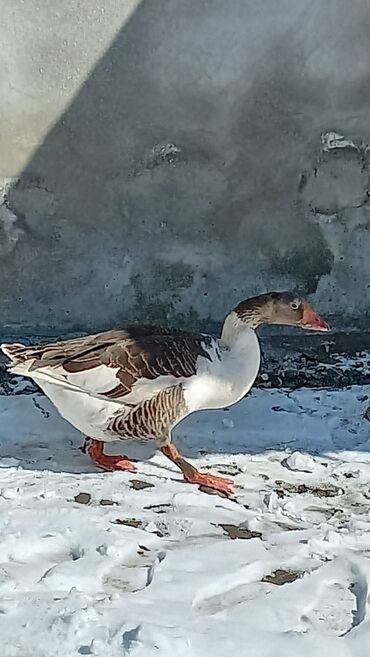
(312, 321)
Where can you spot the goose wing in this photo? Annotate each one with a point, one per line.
(134, 362)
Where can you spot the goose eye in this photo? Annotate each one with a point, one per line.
(294, 305)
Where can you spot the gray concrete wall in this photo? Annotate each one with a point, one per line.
(163, 159)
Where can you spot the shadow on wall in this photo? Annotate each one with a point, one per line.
(185, 174)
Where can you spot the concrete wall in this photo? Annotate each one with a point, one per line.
(163, 159)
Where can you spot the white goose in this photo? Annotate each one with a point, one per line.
(140, 382)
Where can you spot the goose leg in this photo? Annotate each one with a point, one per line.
(94, 448)
(193, 476)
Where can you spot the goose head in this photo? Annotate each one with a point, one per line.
(284, 308)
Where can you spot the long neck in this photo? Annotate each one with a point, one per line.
(234, 327)
(248, 314)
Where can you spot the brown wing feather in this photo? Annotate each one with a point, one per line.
(153, 356)
(137, 352)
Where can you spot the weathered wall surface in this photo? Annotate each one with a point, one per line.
(163, 159)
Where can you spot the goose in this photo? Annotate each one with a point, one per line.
(139, 382)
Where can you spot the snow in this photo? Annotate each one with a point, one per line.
(146, 565)
(330, 140)
(302, 462)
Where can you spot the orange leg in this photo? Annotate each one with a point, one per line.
(193, 476)
(94, 449)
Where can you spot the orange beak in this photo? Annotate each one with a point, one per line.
(312, 321)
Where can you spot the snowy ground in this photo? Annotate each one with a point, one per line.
(145, 565)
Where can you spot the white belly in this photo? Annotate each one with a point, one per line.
(88, 414)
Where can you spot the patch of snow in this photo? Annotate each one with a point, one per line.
(302, 462)
(9, 227)
(332, 140)
(8, 463)
(92, 565)
(8, 220)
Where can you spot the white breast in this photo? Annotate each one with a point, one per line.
(226, 380)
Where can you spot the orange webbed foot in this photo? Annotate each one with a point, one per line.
(220, 484)
(94, 449)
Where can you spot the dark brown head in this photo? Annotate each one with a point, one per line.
(280, 308)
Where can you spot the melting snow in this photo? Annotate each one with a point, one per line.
(145, 565)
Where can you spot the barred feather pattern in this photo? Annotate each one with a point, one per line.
(153, 418)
